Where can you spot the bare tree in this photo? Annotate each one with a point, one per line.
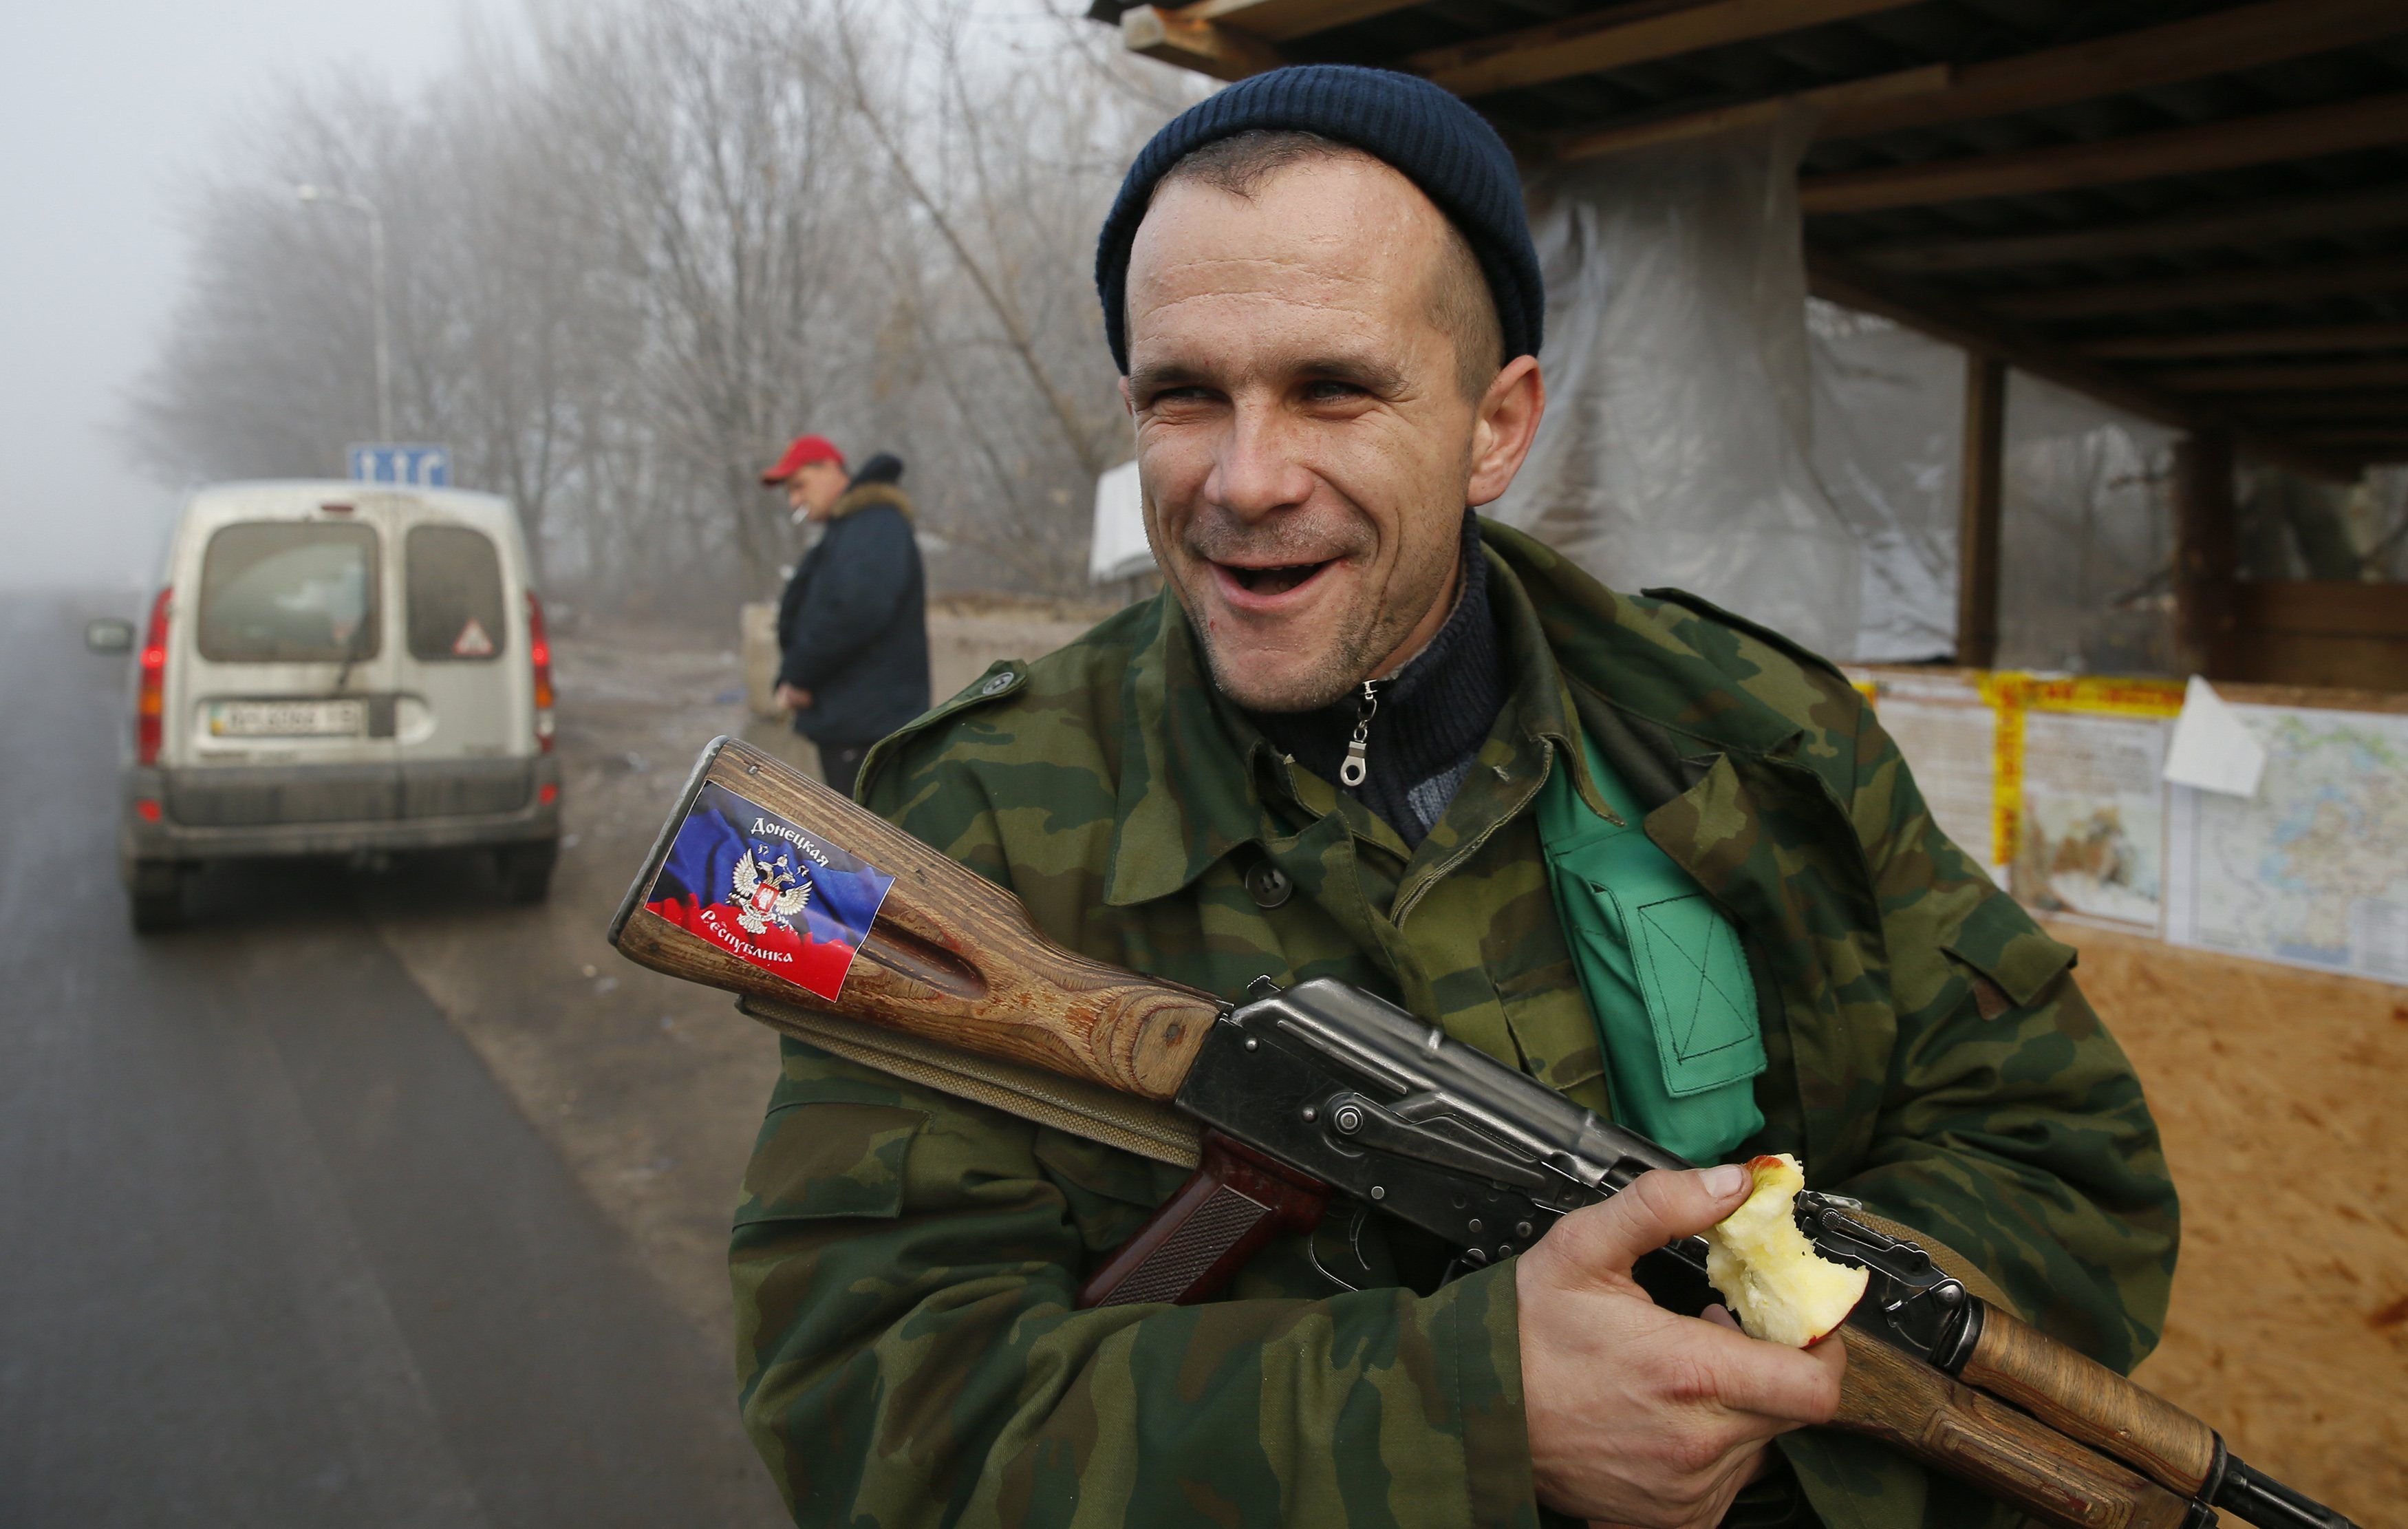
(628, 263)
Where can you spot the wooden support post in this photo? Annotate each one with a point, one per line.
(1977, 524)
(2206, 555)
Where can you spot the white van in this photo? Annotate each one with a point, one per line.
(333, 667)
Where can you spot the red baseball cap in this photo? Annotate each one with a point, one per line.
(802, 454)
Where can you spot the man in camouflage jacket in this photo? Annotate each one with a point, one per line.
(905, 1261)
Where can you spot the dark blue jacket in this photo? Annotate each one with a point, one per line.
(853, 624)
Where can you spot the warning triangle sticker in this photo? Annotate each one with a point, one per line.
(472, 642)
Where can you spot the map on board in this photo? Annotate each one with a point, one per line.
(2314, 869)
(2092, 832)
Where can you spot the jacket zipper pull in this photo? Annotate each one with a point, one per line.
(1351, 772)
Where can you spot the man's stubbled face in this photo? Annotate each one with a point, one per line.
(1306, 447)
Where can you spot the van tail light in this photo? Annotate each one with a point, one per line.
(150, 697)
(539, 654)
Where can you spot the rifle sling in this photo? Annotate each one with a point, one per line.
(1088, 1110)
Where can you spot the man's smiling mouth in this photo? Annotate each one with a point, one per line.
(1272, 580)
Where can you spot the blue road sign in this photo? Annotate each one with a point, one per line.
(421, 467)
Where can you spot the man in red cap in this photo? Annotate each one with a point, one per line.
(852, 628)
(813, 474)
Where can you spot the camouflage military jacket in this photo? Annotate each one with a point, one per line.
(904, 1262)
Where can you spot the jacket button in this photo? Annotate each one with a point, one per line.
(1268, 884)
(996, 683)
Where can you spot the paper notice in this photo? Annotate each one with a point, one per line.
(2213, 750)
(2093, 830)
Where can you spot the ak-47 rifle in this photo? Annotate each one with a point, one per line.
(841, 929)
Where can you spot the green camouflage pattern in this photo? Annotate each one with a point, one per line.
(904, 1262)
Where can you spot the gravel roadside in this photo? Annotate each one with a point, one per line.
(650, 1088)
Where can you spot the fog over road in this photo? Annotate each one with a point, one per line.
(275, 1248)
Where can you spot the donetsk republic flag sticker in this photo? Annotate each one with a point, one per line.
(764, 891)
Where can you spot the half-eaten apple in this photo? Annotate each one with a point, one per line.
(1777, 1287)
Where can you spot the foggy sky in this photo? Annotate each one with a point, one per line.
(111, 106)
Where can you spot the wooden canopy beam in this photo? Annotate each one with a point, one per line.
(2275, 284)
(1697, 124)
(2269, 137)
(2323, 407)
(1618, 35)
(1284, 20)
(2364, 437)
(2318, 336)
(2275, 218)
(1173, 37)
(2266, 32)
(2308, 377)
(2363, 446)
(1835, 278)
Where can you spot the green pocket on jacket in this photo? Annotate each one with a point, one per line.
(829, 1160)
(1667, 980)
(1701, 999)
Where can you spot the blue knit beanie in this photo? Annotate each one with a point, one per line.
(1425, 131)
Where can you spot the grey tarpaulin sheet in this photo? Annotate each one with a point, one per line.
(1707, 427)
(2087, 539)
(1710, 428)
(1677, 447)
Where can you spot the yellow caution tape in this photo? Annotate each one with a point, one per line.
(2010, 695)
(2103, 697)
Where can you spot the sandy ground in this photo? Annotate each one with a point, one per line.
(2291, 1320)
(2277, 1092)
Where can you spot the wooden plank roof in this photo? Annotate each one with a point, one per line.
(2194, 210)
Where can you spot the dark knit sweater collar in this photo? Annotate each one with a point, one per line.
(1432, 714)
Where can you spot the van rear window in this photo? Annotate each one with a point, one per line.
(455, 594)
(289, 591)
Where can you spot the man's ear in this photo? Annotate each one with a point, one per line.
(1505, 424)
(1128, 399)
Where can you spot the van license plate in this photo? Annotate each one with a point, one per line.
(287, 718)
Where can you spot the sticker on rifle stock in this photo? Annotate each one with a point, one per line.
(767, 892)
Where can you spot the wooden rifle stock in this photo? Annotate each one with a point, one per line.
(951, 956)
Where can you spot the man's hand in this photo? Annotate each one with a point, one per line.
(792, 698)
(1639, 1416)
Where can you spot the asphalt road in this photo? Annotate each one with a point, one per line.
(274, 1248)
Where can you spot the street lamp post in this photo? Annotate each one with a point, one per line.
(357, 203)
